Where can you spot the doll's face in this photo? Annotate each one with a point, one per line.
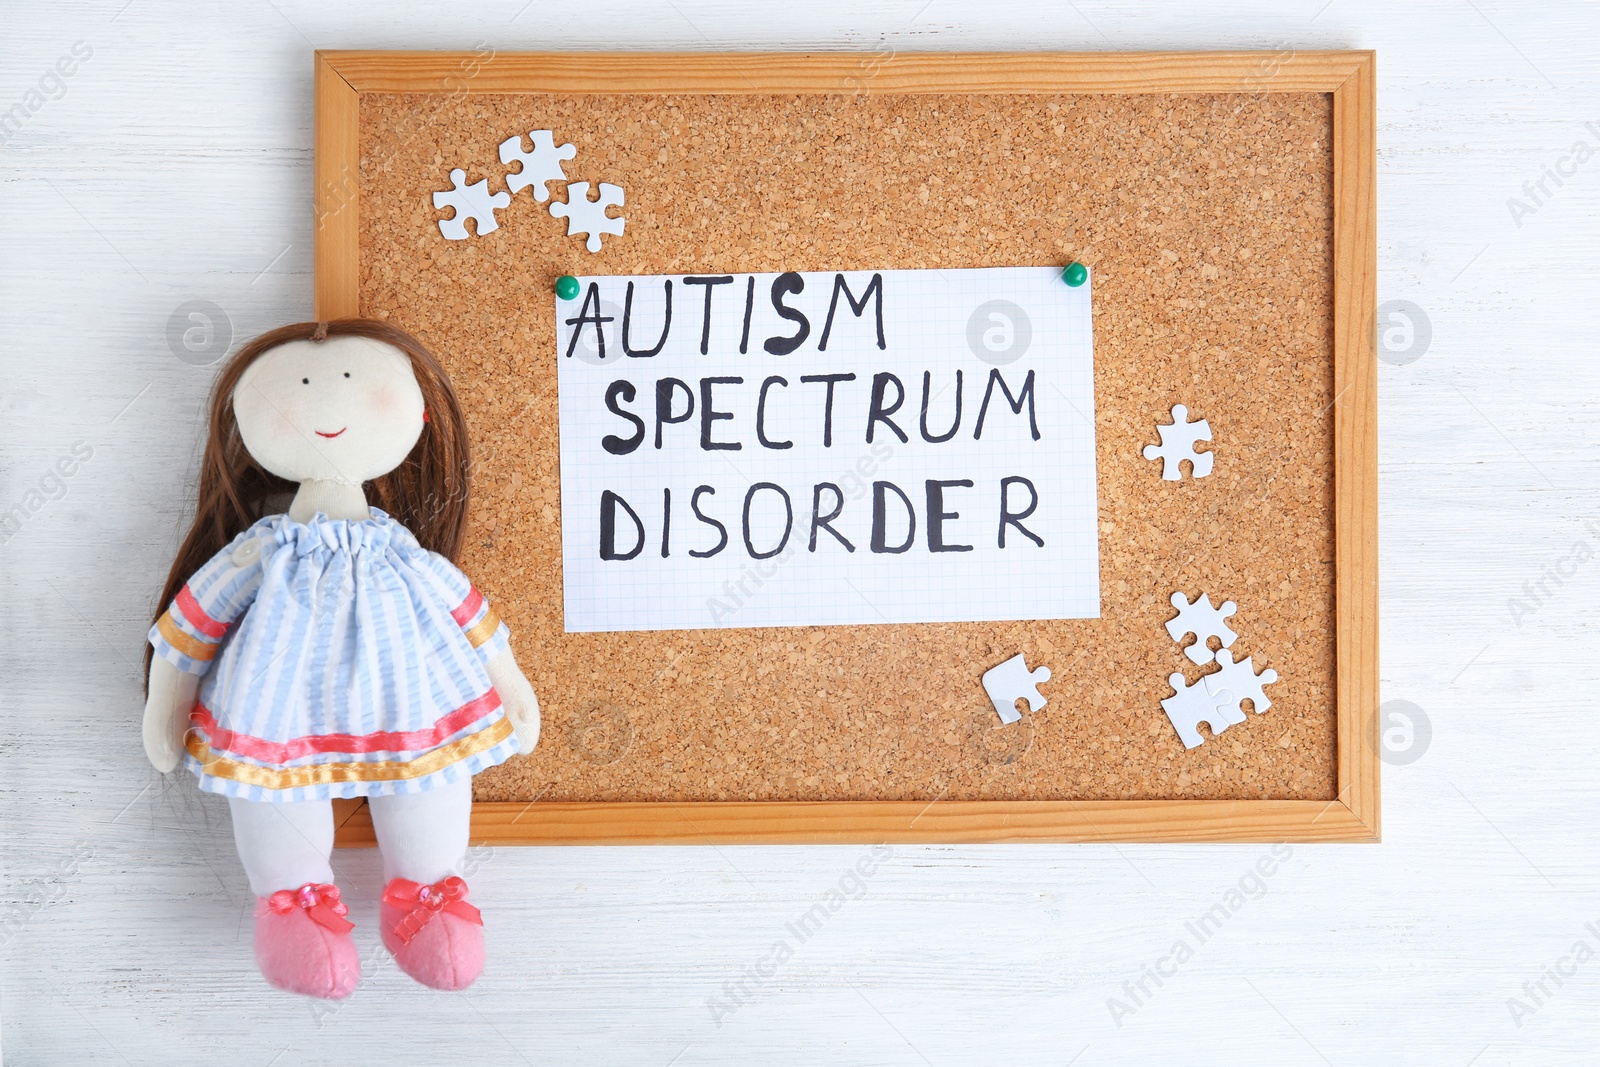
(346, 410)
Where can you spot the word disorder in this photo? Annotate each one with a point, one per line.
(816, 448)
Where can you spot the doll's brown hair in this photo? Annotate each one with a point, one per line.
(427, 493)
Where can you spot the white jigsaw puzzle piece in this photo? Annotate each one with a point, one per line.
(1008, 681)
(1238, 679)
(589, 216)
(471, 202)
(541, 165)
(1177, 444)
(1191, 705)
(1204, 621)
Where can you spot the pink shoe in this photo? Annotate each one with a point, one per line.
(435, 935)
(303, 942)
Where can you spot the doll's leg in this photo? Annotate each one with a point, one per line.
(303, 944)
(283, 846)
(435, 935)
(423, 836)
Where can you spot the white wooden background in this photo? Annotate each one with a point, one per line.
(176, 166)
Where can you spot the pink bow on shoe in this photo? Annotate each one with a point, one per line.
(426, 901)
(320, 901)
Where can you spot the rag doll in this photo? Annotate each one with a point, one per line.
(335, 651)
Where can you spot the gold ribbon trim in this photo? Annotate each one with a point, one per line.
(329, 773)
(192, 647)
(480, 633)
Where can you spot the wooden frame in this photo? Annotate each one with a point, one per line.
(1353, 815)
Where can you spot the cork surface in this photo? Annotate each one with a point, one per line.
(1208, 222)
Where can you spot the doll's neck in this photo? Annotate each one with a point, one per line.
(336, 500)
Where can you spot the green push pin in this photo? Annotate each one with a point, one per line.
(567, 287)
(1074, 275)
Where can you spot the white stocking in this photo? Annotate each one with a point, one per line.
(423, 836)
(283, 846)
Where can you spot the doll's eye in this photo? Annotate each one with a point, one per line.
(347, 374)
(305, 381)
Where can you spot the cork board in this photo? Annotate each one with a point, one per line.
(1219, 227)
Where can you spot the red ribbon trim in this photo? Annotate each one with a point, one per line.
(464, 612)
(197, 617)
(426, 901)
(259, 748)
(320, 901)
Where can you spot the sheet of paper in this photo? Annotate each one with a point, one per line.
(822, 448)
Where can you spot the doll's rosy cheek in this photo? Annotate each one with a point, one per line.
(383, 400)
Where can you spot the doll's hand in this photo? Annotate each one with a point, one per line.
(517, 697)
(166, 713)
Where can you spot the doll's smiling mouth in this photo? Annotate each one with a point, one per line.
(335, 433)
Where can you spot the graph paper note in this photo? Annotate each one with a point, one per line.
(822, 448)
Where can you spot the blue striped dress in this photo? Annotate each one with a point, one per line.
(340, 659)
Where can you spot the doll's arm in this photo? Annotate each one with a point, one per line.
(516, 696)
(491, 638)
(166, 713)
(187, 636)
